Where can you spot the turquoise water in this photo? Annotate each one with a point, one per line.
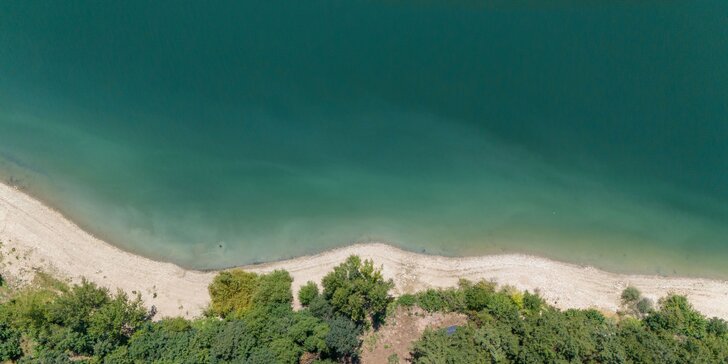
(213, 136)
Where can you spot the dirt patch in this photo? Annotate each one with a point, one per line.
(401, 330)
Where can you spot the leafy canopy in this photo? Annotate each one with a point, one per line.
(358, 290)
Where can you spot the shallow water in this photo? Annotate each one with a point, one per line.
(248, 132)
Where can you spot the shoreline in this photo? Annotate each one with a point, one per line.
(37, 237)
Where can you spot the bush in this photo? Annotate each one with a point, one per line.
(307, 293)
(9, 341)
(445, 300)
(407, 300)
(644, 306)
(532, 302)
(630, 295)
(717, 327)
(477, 295)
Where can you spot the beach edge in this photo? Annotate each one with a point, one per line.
(36, 237)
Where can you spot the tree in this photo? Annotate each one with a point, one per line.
(342, 339)
(677, 316)
(307, 293)
(309, 332)
(232, 342)
(231, 292)
(114, 323)
(273, 289)
(358, 290)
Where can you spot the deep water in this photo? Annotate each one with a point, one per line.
(233, 132)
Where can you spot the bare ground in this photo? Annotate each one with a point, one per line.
(401, 331)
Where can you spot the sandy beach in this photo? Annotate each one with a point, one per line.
(35, 237)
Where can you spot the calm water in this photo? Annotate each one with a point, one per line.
(220, 135)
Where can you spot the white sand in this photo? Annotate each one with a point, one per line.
(35, 237)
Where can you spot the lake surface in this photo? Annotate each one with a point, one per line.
(213, 136)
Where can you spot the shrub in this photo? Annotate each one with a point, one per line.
(9, 341)
(630, 295)
(477, 295)
(307, 293)
(717, 327)
(532, 302)
(644, 306)
(407, 300)
(445, 300)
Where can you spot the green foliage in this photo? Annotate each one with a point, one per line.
(310, 333)
(407, 300)
(58, 322)
(273, 289)
(476, 295)
(644, 306)
(393, 359)
(114, 323)
(321, 308)
(28, 308)
(9, 338)
(170, 341)
(439, 347)
(634, 304)
(532, 302)
(630, 295)
(358, 290)
(441, 300)
(505, 327)
(307, 293)
(676, 315)
(231, 292)
(234, 292)
(53, 323)
(717, 327)
(343, 338)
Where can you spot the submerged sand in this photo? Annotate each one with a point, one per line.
(35, 237)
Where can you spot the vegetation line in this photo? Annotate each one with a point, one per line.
(251, 320)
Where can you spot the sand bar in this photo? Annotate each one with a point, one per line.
(35, 237)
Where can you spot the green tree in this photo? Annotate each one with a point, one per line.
(677, 316)
(231, 292)
(358, 290)
(273, 289)
(113, 324)
(342, 339)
